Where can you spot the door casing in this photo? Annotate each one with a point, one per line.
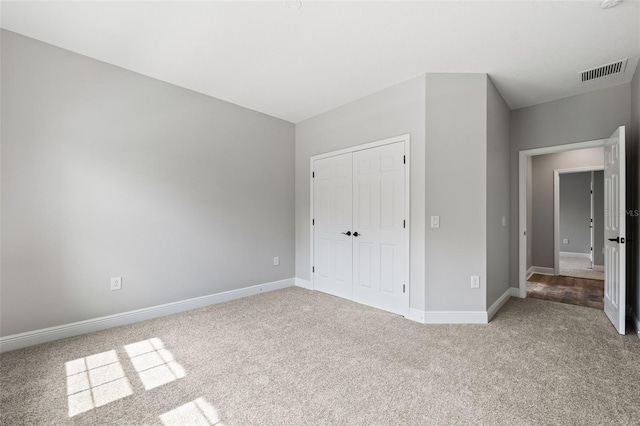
(522, 200)
(556, 209)
(406, 139)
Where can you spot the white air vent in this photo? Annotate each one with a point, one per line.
(613, 68)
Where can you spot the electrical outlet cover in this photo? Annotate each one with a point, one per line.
(116, 283)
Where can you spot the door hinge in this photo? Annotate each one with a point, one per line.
(313, 269)
(404, 159)
(403, 288)
(313, 222)
(404, 223)
(313, 174)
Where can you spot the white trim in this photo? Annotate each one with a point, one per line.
(556, 208)
(573, 254)
(541, 270)
(406, 139)
(522, 199)
(416, 315)
(304, 284)
(402, 138)
(598, 268)
(455, 317)
(30, 338)
(514, 291)
(495, 307)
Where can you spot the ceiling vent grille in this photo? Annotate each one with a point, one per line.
(613, 68)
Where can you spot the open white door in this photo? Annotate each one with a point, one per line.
(614, 230)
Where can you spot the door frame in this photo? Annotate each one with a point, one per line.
(406, 139)
(556, 209)
(523, 155)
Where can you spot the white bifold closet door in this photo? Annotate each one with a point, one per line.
(362, 194)
(332, 205)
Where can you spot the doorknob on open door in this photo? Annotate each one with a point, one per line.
(348, 233)
(617, 239)
(355, 234)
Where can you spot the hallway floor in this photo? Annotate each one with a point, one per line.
(579, 267)
(570, 290)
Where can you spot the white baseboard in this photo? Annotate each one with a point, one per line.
(598, 268)
(416, 315)
(495, 307)
(455, 317)
(30, 338)
(582, 255)
(541, 270)
(304, 284)
(515, 292)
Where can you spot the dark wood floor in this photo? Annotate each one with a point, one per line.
(574, 291)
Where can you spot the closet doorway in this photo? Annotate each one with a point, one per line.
(360, 224)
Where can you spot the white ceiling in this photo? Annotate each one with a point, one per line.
(294, 64)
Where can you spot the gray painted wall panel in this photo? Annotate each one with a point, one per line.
(110, 173)
(456, 190)
(391, 112)
(497, 194)
(579, 118)
(575, 212)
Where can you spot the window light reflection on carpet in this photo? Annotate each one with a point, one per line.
(94, 381)
(197, 412)
(154, 363)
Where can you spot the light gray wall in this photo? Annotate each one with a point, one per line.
(456, 190)
(578, 118)
(598, 218)
(391, 112)
(497, 194)
(110, 173)
(575, 212)
(634, 286)
(541, 233)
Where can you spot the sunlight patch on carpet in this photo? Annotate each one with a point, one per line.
(94, 381)
(154, 363)
(194, 413)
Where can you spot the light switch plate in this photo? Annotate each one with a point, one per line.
(435, 221)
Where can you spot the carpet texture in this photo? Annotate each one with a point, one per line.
(580, 267)
(300, 357)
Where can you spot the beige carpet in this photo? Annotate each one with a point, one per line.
(580, 267)
(301, 357)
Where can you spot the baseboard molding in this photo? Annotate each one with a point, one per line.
(541, 270)
(455, 317)
(514, 291)
(495, 307)
(598, 268)
(304, 284)
(416, 315)
(582, 255)
(30, 338)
